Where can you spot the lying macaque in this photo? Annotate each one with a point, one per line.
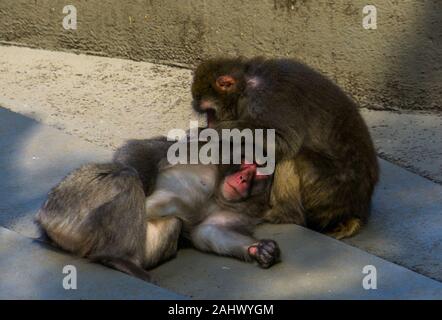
(114, 214)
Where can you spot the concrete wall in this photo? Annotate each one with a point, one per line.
(399, 65)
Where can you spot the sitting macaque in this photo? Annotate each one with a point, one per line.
(326, 165)
(107, 213)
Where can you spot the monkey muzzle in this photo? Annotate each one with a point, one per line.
(208, 107)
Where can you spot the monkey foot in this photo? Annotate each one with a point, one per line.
(265, 252)
(346, 229)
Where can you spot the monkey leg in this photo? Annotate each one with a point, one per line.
(162, 237)
(329, 213)
(310, 191)
(285, 198)
(345, 228)
(336, 200)
(222, 240)
(119, 225)
(98, 212)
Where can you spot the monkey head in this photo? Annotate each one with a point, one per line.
(244, 183)
(216, 88)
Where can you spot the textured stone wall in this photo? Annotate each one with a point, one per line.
(397, 66)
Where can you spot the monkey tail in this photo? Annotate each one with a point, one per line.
(123, 266)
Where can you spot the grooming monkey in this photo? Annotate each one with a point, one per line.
(326, 165)
(117, 215)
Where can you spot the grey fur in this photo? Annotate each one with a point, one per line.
(100, 211)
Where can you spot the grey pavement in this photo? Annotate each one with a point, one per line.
(33, 159)
(313, 267)
(405, 226)
(32, 270)
(404, 229)
(411, 140)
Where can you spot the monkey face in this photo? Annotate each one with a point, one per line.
(216, 88)
(244, 183)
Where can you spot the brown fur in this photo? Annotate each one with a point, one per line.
(326, 163)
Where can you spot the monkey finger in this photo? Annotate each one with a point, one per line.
(270, 246)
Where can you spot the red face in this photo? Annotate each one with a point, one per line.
(239, 185)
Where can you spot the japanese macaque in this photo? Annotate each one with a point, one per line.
(114, 214)
(219, 205)
(326, 165)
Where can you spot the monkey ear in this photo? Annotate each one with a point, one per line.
(225, 83)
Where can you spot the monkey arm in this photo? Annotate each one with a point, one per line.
(226, 236)
(284, 149)
(222, 240)
(224, 233)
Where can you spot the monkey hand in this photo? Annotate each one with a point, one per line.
(265, 252)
